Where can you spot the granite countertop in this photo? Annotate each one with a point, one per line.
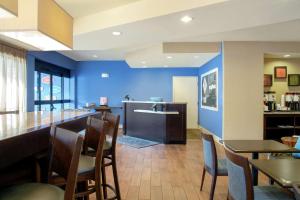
(282, 112)
(154, 102)
(12, 125)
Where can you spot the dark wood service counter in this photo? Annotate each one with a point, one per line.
(165, 125)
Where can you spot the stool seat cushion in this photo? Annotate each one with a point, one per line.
(86, 164)
(271, 193)
(32, 191)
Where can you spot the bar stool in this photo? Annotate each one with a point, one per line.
(64, 159)
(109, 153)
(89, 168)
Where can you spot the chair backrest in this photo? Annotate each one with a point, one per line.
(240, 185)
(297, 146)
(64, 158)
(209, 153)
(113, 126)
(98, 115)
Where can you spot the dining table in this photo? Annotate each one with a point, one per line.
(285, 172)
(255, 147)
(24, 138)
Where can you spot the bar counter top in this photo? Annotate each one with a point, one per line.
(282, 113)
(12, 125)
(154, 102)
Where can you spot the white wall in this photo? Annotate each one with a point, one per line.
(243, 86)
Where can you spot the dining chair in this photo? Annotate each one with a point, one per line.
(240, 185)
(214, 166)
(64, 159)
(296, 191)
(89, 168)
(297, 146)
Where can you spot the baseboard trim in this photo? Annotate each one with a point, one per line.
(216, 138)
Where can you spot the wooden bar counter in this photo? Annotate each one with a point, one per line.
(25, 136)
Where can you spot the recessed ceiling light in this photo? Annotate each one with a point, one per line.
(95, 56)
(287, 55)
(116, 33)
(143, 62)
(196, 56)
(169, 57)
(186, 19)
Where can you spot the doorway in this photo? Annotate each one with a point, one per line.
(185, 89)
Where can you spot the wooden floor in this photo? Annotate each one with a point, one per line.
(165, 172)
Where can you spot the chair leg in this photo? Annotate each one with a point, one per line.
(115, 174)
(104, 179)
(213, 186)
(99, 195)
(203, 177)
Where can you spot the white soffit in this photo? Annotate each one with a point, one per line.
(173, 55)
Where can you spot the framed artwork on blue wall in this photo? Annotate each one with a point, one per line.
(209, 90)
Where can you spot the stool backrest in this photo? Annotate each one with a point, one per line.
(64, 157)
(113, 126)
(209, 153)
(240, 185)
(95, 128)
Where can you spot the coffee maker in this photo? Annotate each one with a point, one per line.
(270, 100)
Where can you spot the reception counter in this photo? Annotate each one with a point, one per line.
(166, 124)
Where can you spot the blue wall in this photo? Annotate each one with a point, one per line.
(140, 84)
(208, 119)
(50, 57)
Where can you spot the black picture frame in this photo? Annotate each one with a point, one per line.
(268, 80)
(294, 80)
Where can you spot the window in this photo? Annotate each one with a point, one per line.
(51, 87)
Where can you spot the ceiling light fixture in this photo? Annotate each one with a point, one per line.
(41, 32)
(287, 55)
(186, 19)
(145, 66)
(143, 62)
(116, 33)
(95, 56)
(169, 57)
(9, 9)
(196, 57)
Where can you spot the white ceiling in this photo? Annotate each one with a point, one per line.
(146, 24)
(282, 55)
(80, 8)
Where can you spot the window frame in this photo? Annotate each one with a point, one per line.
(52, 70)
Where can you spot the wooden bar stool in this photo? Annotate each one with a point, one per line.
(64, 159)
(109, 153)
(89, 168)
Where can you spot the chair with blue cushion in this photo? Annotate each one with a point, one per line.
(297, 146)
(240, 185)
(214, 166)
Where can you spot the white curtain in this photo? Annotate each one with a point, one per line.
(12, 79)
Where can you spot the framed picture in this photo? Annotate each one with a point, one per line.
(268, 80)
(209, 90)
(294, 80)
(280, 72)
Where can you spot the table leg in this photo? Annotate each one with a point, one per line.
(254, 170)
